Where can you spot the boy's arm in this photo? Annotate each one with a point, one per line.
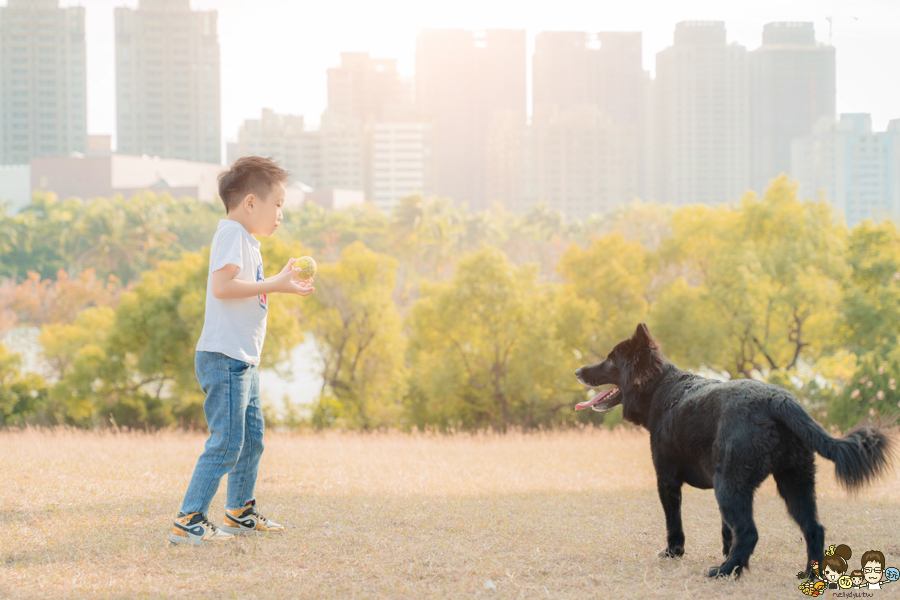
(225, 286)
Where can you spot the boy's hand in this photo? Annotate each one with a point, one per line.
(285, 283)
(289, 265)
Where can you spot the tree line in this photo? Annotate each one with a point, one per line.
(437, 316)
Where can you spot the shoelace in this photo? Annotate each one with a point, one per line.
(205, 521)
(258, 514)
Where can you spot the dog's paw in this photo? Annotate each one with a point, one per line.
(724, 571)
(675, 552)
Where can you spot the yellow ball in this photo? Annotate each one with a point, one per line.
(307, 267)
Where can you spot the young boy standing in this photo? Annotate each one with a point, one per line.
(228, 353)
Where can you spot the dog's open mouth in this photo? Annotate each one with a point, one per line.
(603, 401)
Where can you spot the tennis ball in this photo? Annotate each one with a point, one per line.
(307, 267)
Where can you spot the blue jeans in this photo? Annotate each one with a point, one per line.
(235, 444)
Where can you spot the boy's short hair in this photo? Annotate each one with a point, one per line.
(249, 175)
(873, 556)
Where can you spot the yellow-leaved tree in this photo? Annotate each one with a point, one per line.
(359, 333)
(485, 350)
(135, 363)
(753, 289)
(606, 294)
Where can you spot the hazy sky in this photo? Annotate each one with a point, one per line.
(275, 52)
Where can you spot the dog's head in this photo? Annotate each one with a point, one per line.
(630, 366)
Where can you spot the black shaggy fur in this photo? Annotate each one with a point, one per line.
(730, 436)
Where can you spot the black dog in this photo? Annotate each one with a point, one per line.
(729, 436)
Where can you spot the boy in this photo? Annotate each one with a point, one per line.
(873, 569)
(228, 353)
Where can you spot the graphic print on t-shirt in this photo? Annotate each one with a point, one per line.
(264, 298)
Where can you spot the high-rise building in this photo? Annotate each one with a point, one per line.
(167, 81)
(855, 169)
(792, 86)
(43, 97)
(701, 118)
(284, 138)
(579, 161)
(604, 70)
(464, 79)
(366, 88)
(342, 152)
(564, 70)
(505, 157)
(401, 162)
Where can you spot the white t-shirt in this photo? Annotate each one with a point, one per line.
(235, 327)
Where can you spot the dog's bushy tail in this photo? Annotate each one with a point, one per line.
(859, 457)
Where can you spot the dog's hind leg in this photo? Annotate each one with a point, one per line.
(736, 505)
(670, 496)
(798, 488)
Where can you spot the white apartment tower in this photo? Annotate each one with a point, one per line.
(792, 86)
(580, 161)
(167, 81)
(283, 137)
(856, 169)
(701, 117)
(43, 98)
(401, 161)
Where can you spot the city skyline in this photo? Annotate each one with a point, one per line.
(258, 40)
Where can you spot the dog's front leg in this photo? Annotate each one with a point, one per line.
(670, 496)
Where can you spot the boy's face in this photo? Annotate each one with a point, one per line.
(857, 580)
(872, 571)
(263, 215)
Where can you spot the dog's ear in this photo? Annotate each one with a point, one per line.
(642, 336)
(645, 361)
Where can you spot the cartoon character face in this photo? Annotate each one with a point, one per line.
(872, 571)
(832, 576)
(857, 580)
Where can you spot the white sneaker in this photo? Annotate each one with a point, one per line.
(246, 520)
(195, 528)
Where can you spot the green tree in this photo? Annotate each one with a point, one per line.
(136, 361)
(23, 397)
(358, 331)
(484, 350)
(43, 235)
(608, 287)
(761, 283)
(871, 305)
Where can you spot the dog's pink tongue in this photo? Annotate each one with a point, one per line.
(594, 400)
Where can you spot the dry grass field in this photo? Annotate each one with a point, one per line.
(550, 515)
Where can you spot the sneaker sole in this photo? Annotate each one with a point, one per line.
(242, 531)
(180, 539)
